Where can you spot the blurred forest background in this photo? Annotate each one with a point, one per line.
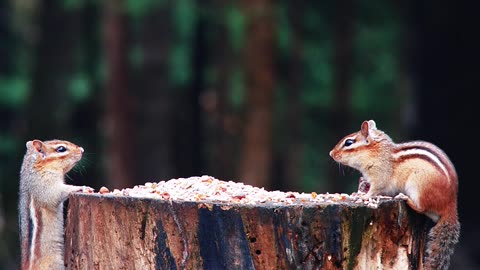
(256, 91)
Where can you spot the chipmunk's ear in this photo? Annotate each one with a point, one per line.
(36, 145)
(367, 126)
(372, 124)
(364, 129)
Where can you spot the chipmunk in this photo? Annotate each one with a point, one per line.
(418, 169)
(41, 196)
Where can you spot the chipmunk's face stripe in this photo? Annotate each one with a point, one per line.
(60, 150)
(353, 143)
(424, 154)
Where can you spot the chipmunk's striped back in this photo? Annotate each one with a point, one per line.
(428, 152)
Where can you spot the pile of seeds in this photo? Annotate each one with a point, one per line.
(208, 189)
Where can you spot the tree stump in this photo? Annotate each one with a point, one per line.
(130, 232)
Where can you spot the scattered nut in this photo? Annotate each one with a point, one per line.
(103, 190)
(87, 189)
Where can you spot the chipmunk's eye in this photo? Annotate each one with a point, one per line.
(61, 149)
(349, 142)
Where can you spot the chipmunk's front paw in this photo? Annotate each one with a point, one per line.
(86, 189)
(401, 196)
(363, 185)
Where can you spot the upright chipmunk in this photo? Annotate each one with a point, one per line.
(418, 169)
(41, 196)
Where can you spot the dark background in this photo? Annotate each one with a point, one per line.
(255, 91)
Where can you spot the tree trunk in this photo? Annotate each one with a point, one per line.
(223, 129)
(189, 134)
(53, 67)
(256, 160)
(118, 232)
(292, 159)
(119, 124)
(343, 63)
(156, 99)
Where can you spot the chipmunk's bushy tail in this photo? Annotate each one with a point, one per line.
(441, 242)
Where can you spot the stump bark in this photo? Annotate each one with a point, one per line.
(115, 232)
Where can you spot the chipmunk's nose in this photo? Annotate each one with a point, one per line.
(334, 155)
(81, 149)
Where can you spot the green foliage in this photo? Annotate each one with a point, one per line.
(136, 57)
(8, 144)
(237, 88)
(138, 8)
(377, 62)
(80, 88)
(236, 23)
(184, 19)
(318, 92)
(284, 30)
(14, 91)
(70, 5)
(180, 63)
(318, 22)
